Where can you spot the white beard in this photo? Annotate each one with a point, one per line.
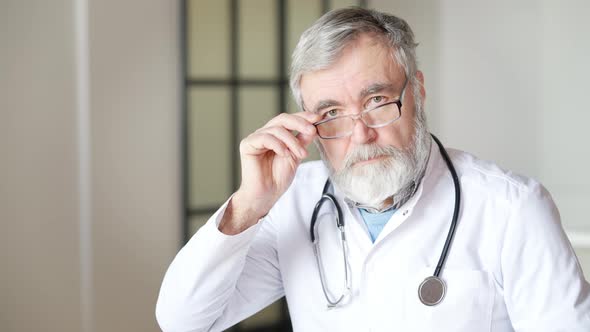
(373, 183)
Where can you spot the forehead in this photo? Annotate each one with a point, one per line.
(365, 62)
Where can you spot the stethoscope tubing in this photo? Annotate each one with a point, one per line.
(326, 196)
(453, 227)
(434, 280)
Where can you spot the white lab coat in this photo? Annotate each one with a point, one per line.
(510, 267)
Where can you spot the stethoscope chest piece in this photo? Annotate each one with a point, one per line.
(432, 291)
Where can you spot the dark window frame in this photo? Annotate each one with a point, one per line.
(234, 83)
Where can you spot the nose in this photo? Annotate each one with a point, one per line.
(361, 134)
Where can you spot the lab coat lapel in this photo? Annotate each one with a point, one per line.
(405, 211)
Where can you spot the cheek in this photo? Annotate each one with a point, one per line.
(397, 135)
(409, 121)
(408, 127)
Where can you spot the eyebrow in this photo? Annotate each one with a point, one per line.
(369, 90)
(323, 104)
(374, 88)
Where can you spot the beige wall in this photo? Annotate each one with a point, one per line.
(38, 194)
(134, 214)
(135, 143)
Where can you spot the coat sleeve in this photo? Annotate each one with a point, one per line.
(217, 280)
(544, 286)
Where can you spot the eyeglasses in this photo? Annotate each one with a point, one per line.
(380, 116)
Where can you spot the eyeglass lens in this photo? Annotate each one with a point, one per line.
(343, 126)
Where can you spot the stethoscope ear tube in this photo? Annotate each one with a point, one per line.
(326, 196)
(314, 216)
(316, 210)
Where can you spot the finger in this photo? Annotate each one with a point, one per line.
(309, 116)
(292, 122)
(305, 140)
(312, 118)
(288, 139)
(260, 143)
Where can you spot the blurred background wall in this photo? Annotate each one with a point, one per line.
(89, 162)
(507, 81)
(112, 112)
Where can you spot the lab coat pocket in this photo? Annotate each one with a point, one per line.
(466, 306)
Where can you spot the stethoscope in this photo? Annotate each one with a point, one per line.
(432, 290)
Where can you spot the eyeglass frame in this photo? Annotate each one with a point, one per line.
(354, 117)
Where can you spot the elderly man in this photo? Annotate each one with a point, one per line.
(388, 232)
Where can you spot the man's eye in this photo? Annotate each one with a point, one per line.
(377, 99)
(331, 113)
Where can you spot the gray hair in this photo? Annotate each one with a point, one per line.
(322, 43)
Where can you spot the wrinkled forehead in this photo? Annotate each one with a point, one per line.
(324, 56)
(366, 63)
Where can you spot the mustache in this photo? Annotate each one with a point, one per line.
(370, 151)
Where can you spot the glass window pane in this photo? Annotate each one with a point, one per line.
(258, 39)
(209, 144)
(208, 33)
(196, 222)
(335, 4)
(257, 106)
(301, 15)
(584, 258)
(291, 104)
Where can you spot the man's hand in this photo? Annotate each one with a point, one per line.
(269, 159)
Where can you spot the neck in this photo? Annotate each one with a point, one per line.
(394, 201)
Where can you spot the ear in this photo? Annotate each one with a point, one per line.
(420, 77)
